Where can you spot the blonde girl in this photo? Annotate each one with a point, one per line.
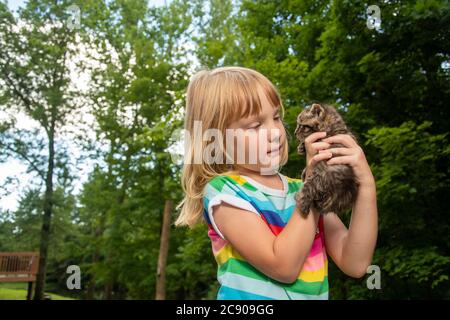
(263, 246)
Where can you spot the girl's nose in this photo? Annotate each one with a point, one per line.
(274, 135)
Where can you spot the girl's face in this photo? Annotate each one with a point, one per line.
(259, 143)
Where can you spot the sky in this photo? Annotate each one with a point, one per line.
(14, 167)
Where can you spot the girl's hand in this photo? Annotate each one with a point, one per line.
(352, 154)
(312, 151)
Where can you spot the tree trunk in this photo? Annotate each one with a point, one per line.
(45, 231)
(107, 295)
(163, 251)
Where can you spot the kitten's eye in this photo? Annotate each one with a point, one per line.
(306, 128)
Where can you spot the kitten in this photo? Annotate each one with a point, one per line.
(328, 188)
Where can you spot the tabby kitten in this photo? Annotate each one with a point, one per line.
(327, 188)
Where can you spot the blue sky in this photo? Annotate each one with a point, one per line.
(15, 4)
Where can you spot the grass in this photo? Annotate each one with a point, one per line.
(18, 291)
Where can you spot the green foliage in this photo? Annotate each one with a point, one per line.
(425, 266)
(391, 85)
(194, 263)
(411, 182)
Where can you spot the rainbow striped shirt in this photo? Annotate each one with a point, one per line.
(238, 279)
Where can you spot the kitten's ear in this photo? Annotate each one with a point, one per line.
(317, 110)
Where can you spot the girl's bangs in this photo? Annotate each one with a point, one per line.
(245, 98)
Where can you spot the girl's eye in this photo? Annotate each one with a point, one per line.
(277, 118)
(256, 126)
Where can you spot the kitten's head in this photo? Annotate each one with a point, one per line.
(317, 117)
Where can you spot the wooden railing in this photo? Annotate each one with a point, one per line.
(19, 267)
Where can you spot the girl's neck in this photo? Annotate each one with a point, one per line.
(272, 181)
(256, 174)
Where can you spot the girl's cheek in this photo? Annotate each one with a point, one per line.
(282, 134)
(241, 149)
(252, 144)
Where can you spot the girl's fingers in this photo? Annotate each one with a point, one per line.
(319, 157)
(315, 136)
(316, 146)
(344, 139)
(338, 151)
(341, 160)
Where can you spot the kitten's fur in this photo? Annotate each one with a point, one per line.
(328, 188)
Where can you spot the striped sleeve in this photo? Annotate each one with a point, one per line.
(222, 189)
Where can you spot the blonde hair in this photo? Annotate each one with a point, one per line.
(217, 98)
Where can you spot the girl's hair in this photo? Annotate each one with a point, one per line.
(217, 98)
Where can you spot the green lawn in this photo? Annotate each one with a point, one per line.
(18, 291)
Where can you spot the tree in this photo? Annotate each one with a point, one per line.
(136, 90)
(34, 55)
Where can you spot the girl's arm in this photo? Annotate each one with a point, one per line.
(352, 249)
(280, 257)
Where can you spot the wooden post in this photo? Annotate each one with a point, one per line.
(30, 290)
(163, 251)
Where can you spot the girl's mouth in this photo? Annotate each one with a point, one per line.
(274, 152)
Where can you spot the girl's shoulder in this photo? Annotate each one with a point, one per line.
(295, 182)
(228, 183)
(231, 182)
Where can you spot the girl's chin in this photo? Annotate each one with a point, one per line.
(272, 162)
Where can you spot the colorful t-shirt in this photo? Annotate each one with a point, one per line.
(238, 279)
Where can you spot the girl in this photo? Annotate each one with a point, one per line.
(263, 246)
